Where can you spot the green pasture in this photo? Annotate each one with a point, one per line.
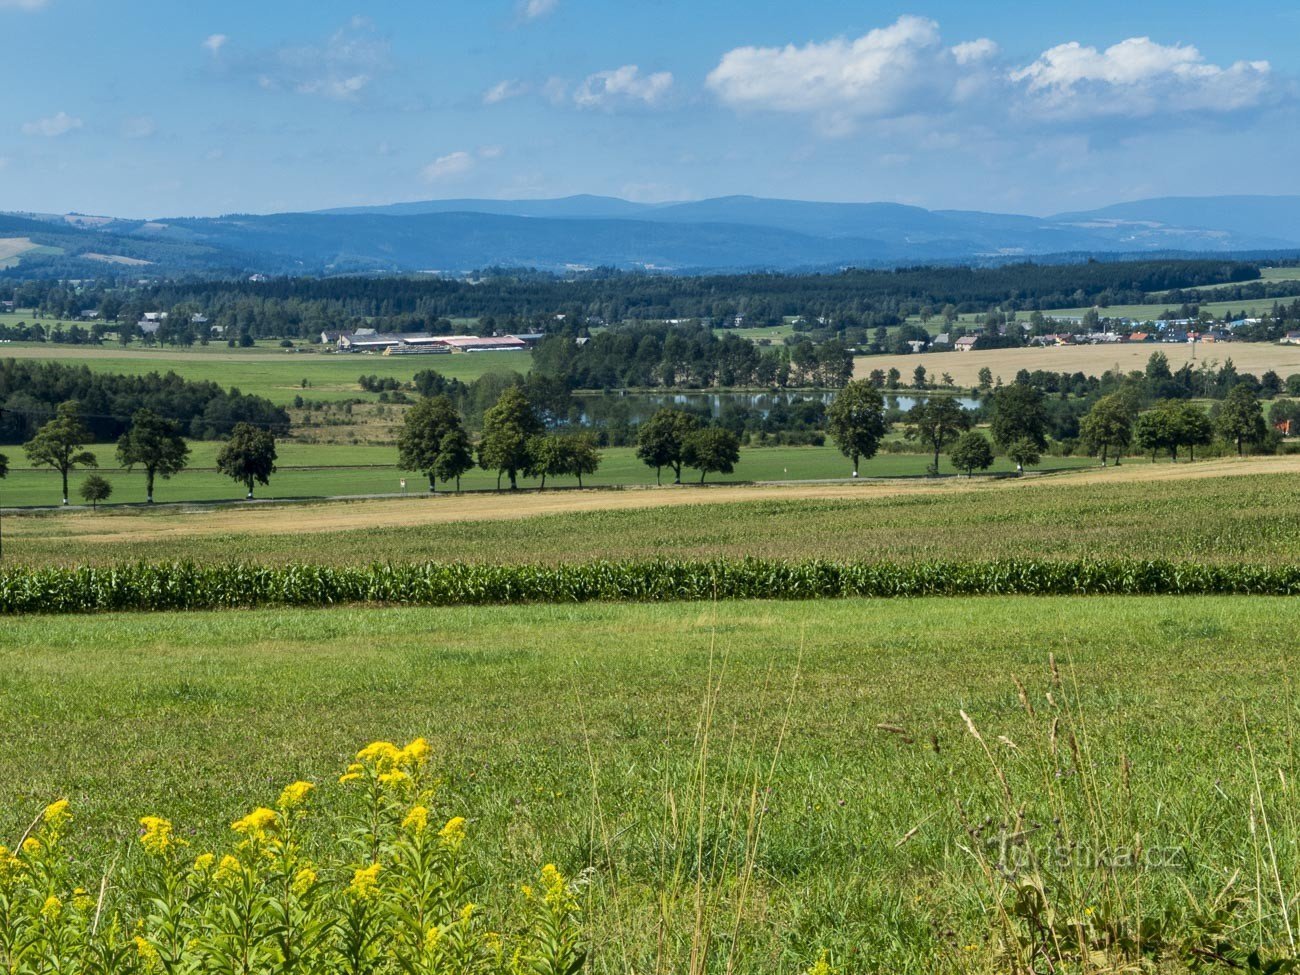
(758, 781)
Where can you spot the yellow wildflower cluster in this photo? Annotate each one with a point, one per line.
(555, 889)
(203, 863)
(303, 881)
(365, 882)
(822, 966)
(51, 909)
(453, 834)
(256, 824)
(228, 869)
(149, 956)
(57, 815)
(389, 764)
(295, 795)
(416, 820)
(157, 837)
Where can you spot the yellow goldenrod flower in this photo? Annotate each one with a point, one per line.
(57, 814)
(303, 881)
(822, 966)
(555, 890)
(295, 795)
(203, 862)
(255, 823)
(454, 832)
(82, 902)
(228, 869)
(147, 952)
(432, 937)
(467, 912)
(354, 772)
(415, 754)
(382, 754)
(416, 820)
(31, 846)
(528, 891)
(394, 777)
(365, 882)
(157, 836)
(51, 909)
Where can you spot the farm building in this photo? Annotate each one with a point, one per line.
(1291, 338)
(965, 343)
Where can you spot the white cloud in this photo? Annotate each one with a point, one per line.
(535, 9)
(625, 85)
(55, 125)
(450, 166)
(138, 127)
(215, 42)
(22, 4)
(503, 91)
(340, 68)
(1138, 77)
(490, 152)
(972, 52)
(887, 72)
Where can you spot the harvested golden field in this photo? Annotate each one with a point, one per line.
(1092, 360)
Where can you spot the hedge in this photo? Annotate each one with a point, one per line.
(189, 586)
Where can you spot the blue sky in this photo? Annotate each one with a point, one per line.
(145, 108)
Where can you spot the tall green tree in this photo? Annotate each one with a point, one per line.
(1019, 415)
(1195, 428)
(1024, 453)
(711, 450)
(856, 421)
(936, 422)
(58, 444)
(1241, 418)
(662, 438)
(972, 452)
(564, 455)
(154, 444)
(248, 456)
(455, 457)
(1108, 426)
(508, 430)
(424, 428)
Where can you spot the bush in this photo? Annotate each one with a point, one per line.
(187, 586)
(375, 888)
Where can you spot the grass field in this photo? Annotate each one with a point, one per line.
(1092, 360)
(1217, 511)
(804, 779)
(316, 471)
(277, 375)
(1153, 310)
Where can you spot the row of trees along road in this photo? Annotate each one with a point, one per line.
(152, 443)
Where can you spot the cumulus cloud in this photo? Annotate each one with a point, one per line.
(973, 52)
(1138, 77)
(215, 42)
(55, 125)
(138, 127)
(447, 167)
(340, 68)
(623, 86)
(535, 9)
(504, 91)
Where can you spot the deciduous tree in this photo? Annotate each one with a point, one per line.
(95, 489)
(936, 422)
(58, 444)
(972, 452)
(424, 428)
(1241, 418)
(711, 450)
(856, 421)
(156, 445)
(660, 440)
(248, 456)
(508, 430)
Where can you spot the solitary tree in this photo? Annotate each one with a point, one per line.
(662, 438)
(95, 489)
(564, 455)
(156, 445)
(1108, 425)
(711, 450)
(424, 428)
(856, 420)
(1019, 414)
(248, 456)
(58, 444)
(1241, 418)
(972, 452)
(455, 457)
(936, 423)
(508, 430)
(1024, 453)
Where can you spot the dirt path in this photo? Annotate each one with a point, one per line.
(287, 519)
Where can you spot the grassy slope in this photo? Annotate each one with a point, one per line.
(1137, 510)
(325, 471)
(533, 712)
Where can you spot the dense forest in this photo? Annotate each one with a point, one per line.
(31, 391)
(303, 307)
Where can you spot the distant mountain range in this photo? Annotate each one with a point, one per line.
(726, 233)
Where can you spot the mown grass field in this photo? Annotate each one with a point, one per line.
(316, 471)
(276, 374)
(803, 780)
(1219, 511)
(1091, 360)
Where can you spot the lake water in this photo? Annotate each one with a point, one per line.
(638, 407)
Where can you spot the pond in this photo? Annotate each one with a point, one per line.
(638, 407)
